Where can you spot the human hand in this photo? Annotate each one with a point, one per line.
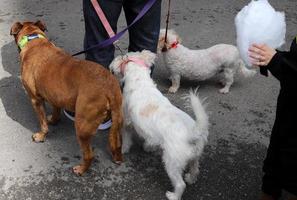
(261, 54)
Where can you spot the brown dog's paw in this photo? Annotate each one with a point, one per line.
(38, 137)
(51, 120)
(117, 157)
(79, 170)
(118, 162)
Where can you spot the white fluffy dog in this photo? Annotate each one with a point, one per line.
(200, 64)
(159, 123)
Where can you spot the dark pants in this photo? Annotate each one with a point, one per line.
(271, 179)
(280, 164)
(143, 35)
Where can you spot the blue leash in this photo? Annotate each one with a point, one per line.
(111, 40)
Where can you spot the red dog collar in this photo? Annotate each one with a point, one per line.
(174, 45)
(132, 59)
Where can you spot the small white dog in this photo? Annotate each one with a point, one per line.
(200, 64)
(159, 123)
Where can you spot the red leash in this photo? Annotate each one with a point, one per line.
(132, 59)
(164, 49)
(103, 19)
(117, 36)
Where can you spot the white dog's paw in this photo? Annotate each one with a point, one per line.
(173, 89)
(147, 148)
(125, 148)
(190, 179)
(171, 196)
(224, 90)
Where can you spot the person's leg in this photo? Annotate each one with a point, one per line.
(95, 31)
(145, 33)
(271, 186)
(289, 166)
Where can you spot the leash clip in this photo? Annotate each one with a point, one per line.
(115, 42)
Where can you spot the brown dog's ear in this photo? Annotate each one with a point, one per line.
(40, 25)
(15, 29)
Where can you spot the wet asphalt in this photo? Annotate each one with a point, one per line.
(241, 121)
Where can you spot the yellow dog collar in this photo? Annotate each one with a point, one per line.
(25, 39)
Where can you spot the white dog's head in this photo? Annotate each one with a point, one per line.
(172, 38)
(145, 56)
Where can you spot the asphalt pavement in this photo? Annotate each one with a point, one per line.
(241, 121)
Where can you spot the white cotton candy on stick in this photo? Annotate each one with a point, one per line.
(259, 23)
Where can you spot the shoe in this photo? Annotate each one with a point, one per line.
(69, 114)
(104, 126)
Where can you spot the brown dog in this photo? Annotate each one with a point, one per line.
(49, 74)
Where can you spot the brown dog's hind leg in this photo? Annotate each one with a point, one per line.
(115, 137)
(55, 116)
(84, 133)
(87, 118)
(38, 106)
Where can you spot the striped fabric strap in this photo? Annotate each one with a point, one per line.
(26, 38)
(103, 18)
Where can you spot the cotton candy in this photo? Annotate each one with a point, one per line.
(258, 22)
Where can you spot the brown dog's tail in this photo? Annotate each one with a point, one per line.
(115, 137)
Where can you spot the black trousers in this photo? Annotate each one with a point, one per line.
(280, 164)
(143, 35)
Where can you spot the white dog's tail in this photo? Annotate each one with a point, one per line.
(245, 71)
(200, 114)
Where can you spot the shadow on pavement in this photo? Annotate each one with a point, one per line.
(15, 101)
(14, 98)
